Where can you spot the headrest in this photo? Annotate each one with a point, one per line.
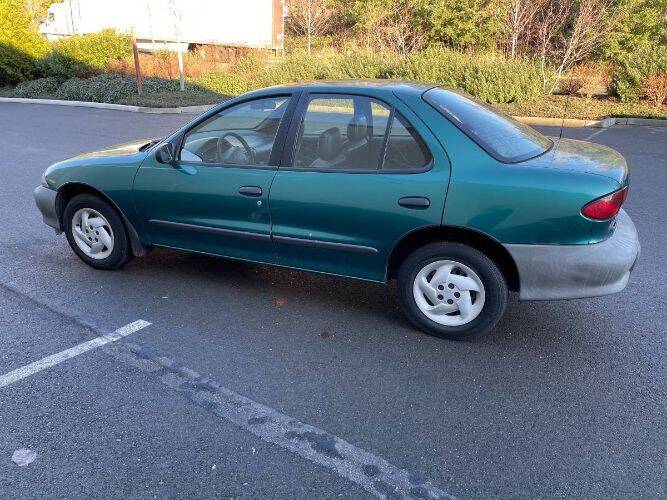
(329, 144)
(357, 129)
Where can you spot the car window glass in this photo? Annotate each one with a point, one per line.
(405, 148)
(241, 135)
(504, 138)
(341, 132)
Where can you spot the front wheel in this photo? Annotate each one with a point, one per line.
(96, 232)
(450, 290)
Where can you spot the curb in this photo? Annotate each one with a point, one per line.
(568, 122)
(609, 121)
(117, 107)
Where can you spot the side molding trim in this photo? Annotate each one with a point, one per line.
(324, 244)
(211, 230)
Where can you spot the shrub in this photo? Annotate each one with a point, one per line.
(655, 89)
(435, 65)
(37, 88)
(491, 78)
(230, 84)
(111, 88)
(500, 81)
(633, 71)
(20, 44)
(85, 55)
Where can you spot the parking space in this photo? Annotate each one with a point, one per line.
(562, 399)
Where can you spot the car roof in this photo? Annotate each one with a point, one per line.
(406, 87)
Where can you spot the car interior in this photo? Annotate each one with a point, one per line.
(345, 132)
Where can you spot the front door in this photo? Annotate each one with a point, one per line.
(359, 174)
(214, 199)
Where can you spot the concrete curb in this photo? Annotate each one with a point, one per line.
(195, 110)
(567, 122)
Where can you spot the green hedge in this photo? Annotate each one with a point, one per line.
(490, 78)
(634, 68)
(42, 87)
(110, 88)
(229, 84)
(85, 55)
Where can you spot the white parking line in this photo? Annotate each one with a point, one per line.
(594, 134)
(55, 359)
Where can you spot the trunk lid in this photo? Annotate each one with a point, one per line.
(585, 157)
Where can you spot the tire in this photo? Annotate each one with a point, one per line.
(478, 299)
(110, 257)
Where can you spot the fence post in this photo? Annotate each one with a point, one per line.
(137, 66)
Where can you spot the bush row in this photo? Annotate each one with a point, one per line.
(491, 78)
(103, 88)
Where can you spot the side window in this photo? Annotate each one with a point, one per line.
(241, 135)
(341, 132)
(405, 149)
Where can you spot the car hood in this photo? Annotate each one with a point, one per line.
(585, 157)
(125, 149)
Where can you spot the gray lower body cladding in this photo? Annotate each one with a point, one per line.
(549, 272)
(45, 199)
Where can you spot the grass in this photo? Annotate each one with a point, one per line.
(549, 106)
(175, 99)
(559, 106)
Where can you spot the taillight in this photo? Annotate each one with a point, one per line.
(606, 206)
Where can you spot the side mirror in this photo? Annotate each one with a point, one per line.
(165, 154)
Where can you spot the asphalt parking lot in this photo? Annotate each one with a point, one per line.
(252, 381)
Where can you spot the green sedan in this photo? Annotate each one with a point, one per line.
(374, 180)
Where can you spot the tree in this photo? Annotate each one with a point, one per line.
(311, 18)
(641, 23)
(386, 24)
(521, 14)
(565, 33)
(464, 24)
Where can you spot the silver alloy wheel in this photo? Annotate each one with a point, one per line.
(92, 233)
(449, 293)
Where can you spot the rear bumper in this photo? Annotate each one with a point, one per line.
(45, 199)
(549, 272)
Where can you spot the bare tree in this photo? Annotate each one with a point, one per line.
(520, 17)
(566, 33)
(311, 18)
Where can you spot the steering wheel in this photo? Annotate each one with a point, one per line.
(237, 141)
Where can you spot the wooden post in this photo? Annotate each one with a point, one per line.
(137, 66)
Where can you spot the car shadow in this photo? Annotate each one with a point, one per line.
(524, 322)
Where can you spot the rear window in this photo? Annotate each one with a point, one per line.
(500, 135)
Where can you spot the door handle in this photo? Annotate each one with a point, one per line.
(414, 202)
(250, 191)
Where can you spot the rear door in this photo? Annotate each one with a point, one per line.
(214, 199)
(357, 174)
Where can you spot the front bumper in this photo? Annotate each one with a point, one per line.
(548, 272)
(45, 199)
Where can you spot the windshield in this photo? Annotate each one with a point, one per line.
(500, 135)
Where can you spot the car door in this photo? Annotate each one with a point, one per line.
(357, 175)
(214, 197)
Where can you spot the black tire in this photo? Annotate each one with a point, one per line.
(495, 289)
(121, 253)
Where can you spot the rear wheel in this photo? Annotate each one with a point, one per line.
(451, 290)
(96, 232)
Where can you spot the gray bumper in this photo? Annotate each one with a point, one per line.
(549, 272)
(46, 202)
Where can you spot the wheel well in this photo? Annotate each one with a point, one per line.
(69, 191)
(489, 246)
